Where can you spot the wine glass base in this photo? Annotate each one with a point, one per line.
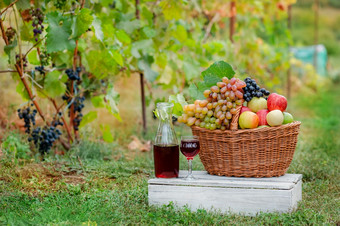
(189, 177)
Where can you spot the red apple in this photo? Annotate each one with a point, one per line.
(243, 109)
(276, 102)
(262, 114)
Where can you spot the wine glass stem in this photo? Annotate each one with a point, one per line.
(190, 167)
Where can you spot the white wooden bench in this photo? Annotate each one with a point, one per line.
(247, 196)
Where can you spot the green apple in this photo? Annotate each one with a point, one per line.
(248, 120)
(275, 118)
(287, 118)
(257, 104)
(263, 126)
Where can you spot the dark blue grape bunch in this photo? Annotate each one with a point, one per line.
(40, 69)
(24, 60)
(73, 75)
(10, 33)
(28, 116)
(44, 138)
(56, 121)
(78, 107)
(37, 20)
(253, 90)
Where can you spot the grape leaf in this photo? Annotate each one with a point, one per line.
(122, 36)
(107, 135)
(180, 33)
(52, 85)
(149, 32)
(144, 64)
(117, 57)
(220, 69)
(20, 89)
(112, 98)
(143, 46)
(179, 103)
(171, 9)
(97, 28)
(101, 63)
(211, 80)
(98, 101)
(196, 91)
(89, 117)
(33, 57)
(81, 22)
(10, 51)
(129, 26)
(58, 33)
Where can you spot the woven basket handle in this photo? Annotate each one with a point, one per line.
(234, 119)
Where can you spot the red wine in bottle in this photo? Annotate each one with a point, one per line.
(166, 159)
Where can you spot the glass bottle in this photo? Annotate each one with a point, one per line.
(166, 147)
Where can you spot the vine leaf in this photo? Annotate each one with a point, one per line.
(98, 32)
(122, 36)
(10, 51)
(81, 22)
(107, 135)
(117, 57)
(89, 117)
(112, 98)
(220, 69)
(98, 101)
(58, 33)
(211, 80)
(53, 86)
(144, 64)
(171, 9)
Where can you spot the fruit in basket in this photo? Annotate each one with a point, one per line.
(244, 108)
(275, 118)
(262, 114)
(263, 126)
(257, 104)
(276, 102)
(287, 118)
(253, 90)
(248, 120)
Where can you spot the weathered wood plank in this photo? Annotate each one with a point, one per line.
(247, 196)
(285, 182)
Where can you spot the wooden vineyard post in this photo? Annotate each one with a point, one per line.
(289, 69)
(316, 33)
(141, 76)
(232, 20)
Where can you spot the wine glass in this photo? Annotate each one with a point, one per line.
(190, 146)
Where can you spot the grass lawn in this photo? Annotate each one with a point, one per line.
(102, 184)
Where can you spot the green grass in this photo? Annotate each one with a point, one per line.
(104, 184)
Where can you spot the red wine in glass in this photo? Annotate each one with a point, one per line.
(190, 148)
(166, 159)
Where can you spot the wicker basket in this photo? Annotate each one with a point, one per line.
(259, 152)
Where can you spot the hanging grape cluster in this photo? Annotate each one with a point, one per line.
(10, 33)
(24, 60)
(253, 90)
(40, 69)
(73, 75)
(217, 110)
(28, 116)
(44, 137)
(44, 58)
(38, 19)
(78, 107)
(59, 4)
